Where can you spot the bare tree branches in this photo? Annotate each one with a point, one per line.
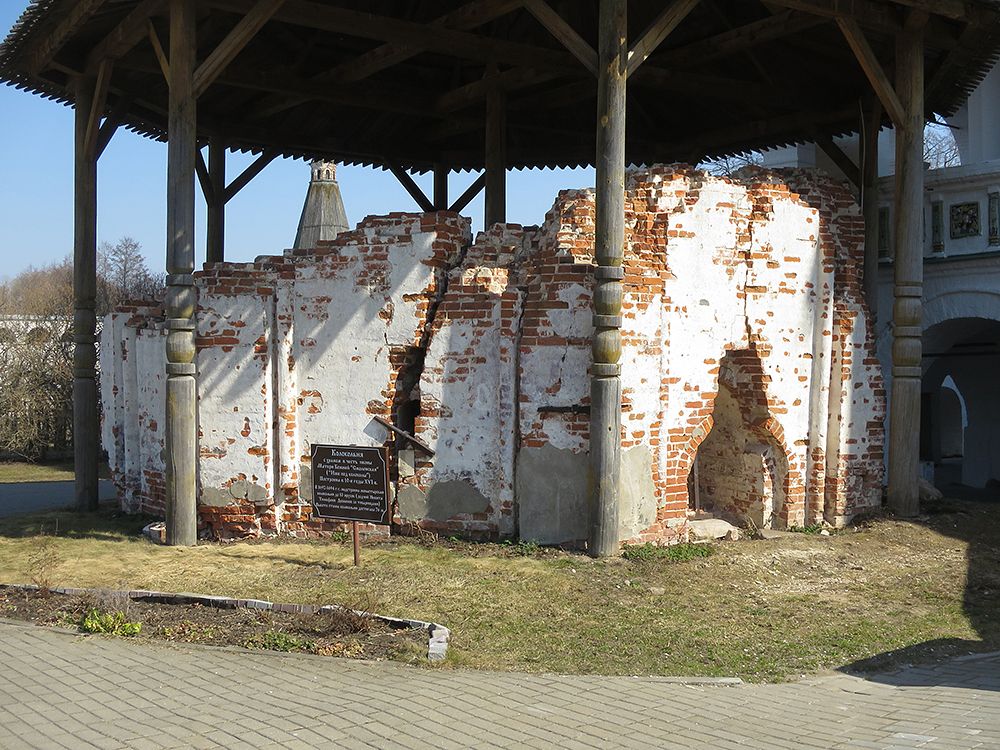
(36, 344)
(124, 274)
(940, 147)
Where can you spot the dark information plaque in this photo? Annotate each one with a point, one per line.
(350, 483)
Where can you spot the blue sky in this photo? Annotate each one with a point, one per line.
(36, 189)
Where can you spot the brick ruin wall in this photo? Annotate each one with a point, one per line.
(750, 384)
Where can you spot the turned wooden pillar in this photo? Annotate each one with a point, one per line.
(181, 425)
(605, 371)
(904, 427)
(496, 157)
(86, 423)
(216, 218)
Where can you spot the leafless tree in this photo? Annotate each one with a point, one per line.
(940, 147)
(36, 344)
(46, 291)
(124, 274)
(727, 166)
(36, 361)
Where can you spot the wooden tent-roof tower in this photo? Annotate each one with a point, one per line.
(490, 85)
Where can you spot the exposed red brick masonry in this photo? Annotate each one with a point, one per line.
(748, 287)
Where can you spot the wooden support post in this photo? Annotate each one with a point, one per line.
(496, 157)
(356, 536)
(216, 221)
(904, 426)
(86, 430)
(605, 372)
(870, 126)
(441, 187)
(182, 145)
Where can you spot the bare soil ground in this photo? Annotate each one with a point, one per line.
(327, 634)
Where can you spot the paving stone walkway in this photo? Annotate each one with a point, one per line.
(61, 690)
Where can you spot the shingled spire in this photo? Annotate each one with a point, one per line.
(323, 216)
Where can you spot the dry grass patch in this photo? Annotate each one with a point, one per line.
(758, 610)
(12, 472)
(24, 471)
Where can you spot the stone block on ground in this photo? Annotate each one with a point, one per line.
(713, 528)
(928, 492)
(156, 532)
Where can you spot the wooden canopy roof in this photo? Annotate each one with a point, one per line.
(405, 82)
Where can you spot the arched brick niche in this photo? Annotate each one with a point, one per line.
(736, 464)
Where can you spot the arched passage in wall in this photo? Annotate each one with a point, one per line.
(739, 468)
(952, 415)
(960, 416)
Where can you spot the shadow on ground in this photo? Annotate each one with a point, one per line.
(109, 524)
(37, 497)
(970, 515)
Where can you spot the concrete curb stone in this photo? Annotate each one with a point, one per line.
(438, 635)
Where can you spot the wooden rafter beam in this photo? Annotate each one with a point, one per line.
(564, 33)
(384, 56)
(132, 29)
(161, 56)
(46, 49)
(749, 54)
(470, 193)
(659, 30)
(961, 55)
(703, 84)
(741, 38)
(233, 44)
(201, 169)
(872, 13)
(475, 92)
(957, 10)
(548, 62)
(425, 203)
(255, 168)
(873, 69)
(469, 16)
(443, 40)
(409, 100)
(732, 136)
(111, 124)
(838, 157)
(866, 12)
(100, 100)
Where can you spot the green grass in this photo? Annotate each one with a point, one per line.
(760, 610)
(110, 623)
(275, 640)
(675, 552)
(814, 528)
(521, 548)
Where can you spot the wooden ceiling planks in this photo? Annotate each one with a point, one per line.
(370, 82)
